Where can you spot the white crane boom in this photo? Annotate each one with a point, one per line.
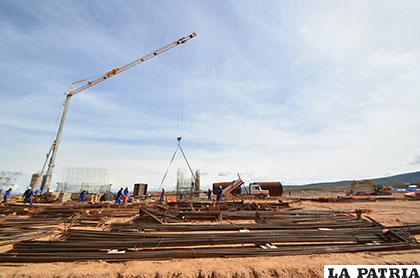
(46, 179)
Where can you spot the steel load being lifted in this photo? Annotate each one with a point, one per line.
(50, 159)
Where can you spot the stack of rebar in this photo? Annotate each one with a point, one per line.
(15, 229)
(274, 233)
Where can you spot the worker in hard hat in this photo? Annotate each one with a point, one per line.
(162, 195)
(120, 193)
(82, 196)
(209, 193)
(219, 194)
(7, 195)
(27, 196)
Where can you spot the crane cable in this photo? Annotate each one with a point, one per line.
(178, 146)
(178, 121)
(169, 166)
(179, 128)
(180, 102)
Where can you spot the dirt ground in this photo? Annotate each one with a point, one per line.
(386, 212)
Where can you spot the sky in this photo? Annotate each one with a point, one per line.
(290, 91)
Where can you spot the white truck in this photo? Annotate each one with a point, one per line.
(256, 191)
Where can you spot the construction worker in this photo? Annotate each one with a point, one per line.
(124, 197)
(219, 194)
(6, 195)
(37, 191)
(120, 193)
(27, 196)
(209, 193)
(82, 196)
(162, 195)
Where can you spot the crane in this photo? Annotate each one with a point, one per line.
(85, 84)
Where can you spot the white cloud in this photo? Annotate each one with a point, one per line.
(224, 173)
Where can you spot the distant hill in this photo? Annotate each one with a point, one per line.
(400, 179)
